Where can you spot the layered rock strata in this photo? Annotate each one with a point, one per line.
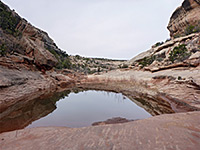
(17, 36)
(184, 17)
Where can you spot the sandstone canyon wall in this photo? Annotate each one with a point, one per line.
(185, 19)
(21, 39)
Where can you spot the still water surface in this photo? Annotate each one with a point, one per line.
(84, 108)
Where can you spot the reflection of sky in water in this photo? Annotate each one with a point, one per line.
(87, 107)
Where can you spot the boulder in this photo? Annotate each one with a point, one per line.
(112, 121)
(43, 57)
(63, 81)
(185, 15)
(60, 77)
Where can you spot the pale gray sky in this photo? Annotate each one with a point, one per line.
(100, 28)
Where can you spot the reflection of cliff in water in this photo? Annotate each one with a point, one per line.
(24, 113)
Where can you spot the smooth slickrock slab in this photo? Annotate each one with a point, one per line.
(165, 132)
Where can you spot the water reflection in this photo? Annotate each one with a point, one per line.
(76, 109)
(24, 113)
(85, 108)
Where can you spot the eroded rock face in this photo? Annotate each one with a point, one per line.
(165, 56)
(183, 47)
(187, 14)
(25, 39)
(37, 45)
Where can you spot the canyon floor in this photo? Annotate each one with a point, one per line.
(162, 93)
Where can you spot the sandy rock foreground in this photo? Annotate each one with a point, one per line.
(179, 131)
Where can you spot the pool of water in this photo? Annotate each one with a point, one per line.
(84, 108)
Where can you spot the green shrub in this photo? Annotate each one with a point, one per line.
(64, 54)
(83, 65)
(179, 53)
(62, 57)
(74, 66)
(189, 29)
(179, 78)
(177, 35)
(147, 61)
(91, 71)
(160, 57)
(54, 53)
(192, 29)
(99, 69)
(3, 49)
(78, 57)
(66, 64)
(167, 40)
(8, 22)
(158, 44)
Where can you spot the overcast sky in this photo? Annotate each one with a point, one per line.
(118, 29)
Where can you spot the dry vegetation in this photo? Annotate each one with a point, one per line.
(93, 65)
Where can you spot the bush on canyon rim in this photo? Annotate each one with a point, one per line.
(192, 29)
(179, 53)
(147, 61)
(8, 22)
(2, 50)
(159, 44)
